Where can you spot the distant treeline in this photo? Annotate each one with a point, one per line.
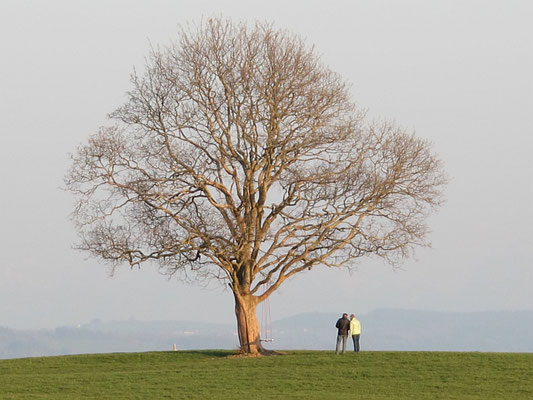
(388, 329)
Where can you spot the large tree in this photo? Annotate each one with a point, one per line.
(240, 157)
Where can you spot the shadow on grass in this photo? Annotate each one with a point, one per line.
(211, 353)
(231, 353)
(219, 353)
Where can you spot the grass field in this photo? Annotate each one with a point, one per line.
(296, 375)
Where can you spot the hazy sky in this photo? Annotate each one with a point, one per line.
(460, 73)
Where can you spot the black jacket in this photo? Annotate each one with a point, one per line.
(343, 325)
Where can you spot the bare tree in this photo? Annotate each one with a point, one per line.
(240, 157)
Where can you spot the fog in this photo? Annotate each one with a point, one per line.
(456, 72)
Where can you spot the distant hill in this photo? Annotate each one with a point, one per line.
(385, 329)
(116, 336)
(390, 329)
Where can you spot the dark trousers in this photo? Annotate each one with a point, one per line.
(356, 346)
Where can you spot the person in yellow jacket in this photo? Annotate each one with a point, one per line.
(355, 332)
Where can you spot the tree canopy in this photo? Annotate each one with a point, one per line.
(240, 156)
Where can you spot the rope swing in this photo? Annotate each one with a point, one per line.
(266, 323)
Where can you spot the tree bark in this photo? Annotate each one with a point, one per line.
(248, 324)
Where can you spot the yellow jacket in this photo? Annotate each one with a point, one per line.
(355, 326)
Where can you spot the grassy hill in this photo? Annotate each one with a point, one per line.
(296, 375)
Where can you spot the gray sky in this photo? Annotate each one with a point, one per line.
(458, 72)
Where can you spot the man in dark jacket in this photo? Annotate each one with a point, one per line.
(343, 326)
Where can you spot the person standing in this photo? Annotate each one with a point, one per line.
(343, 329)
(355, 332)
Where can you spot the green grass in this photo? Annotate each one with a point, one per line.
(297, 375)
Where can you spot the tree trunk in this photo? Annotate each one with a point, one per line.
(247, 324)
